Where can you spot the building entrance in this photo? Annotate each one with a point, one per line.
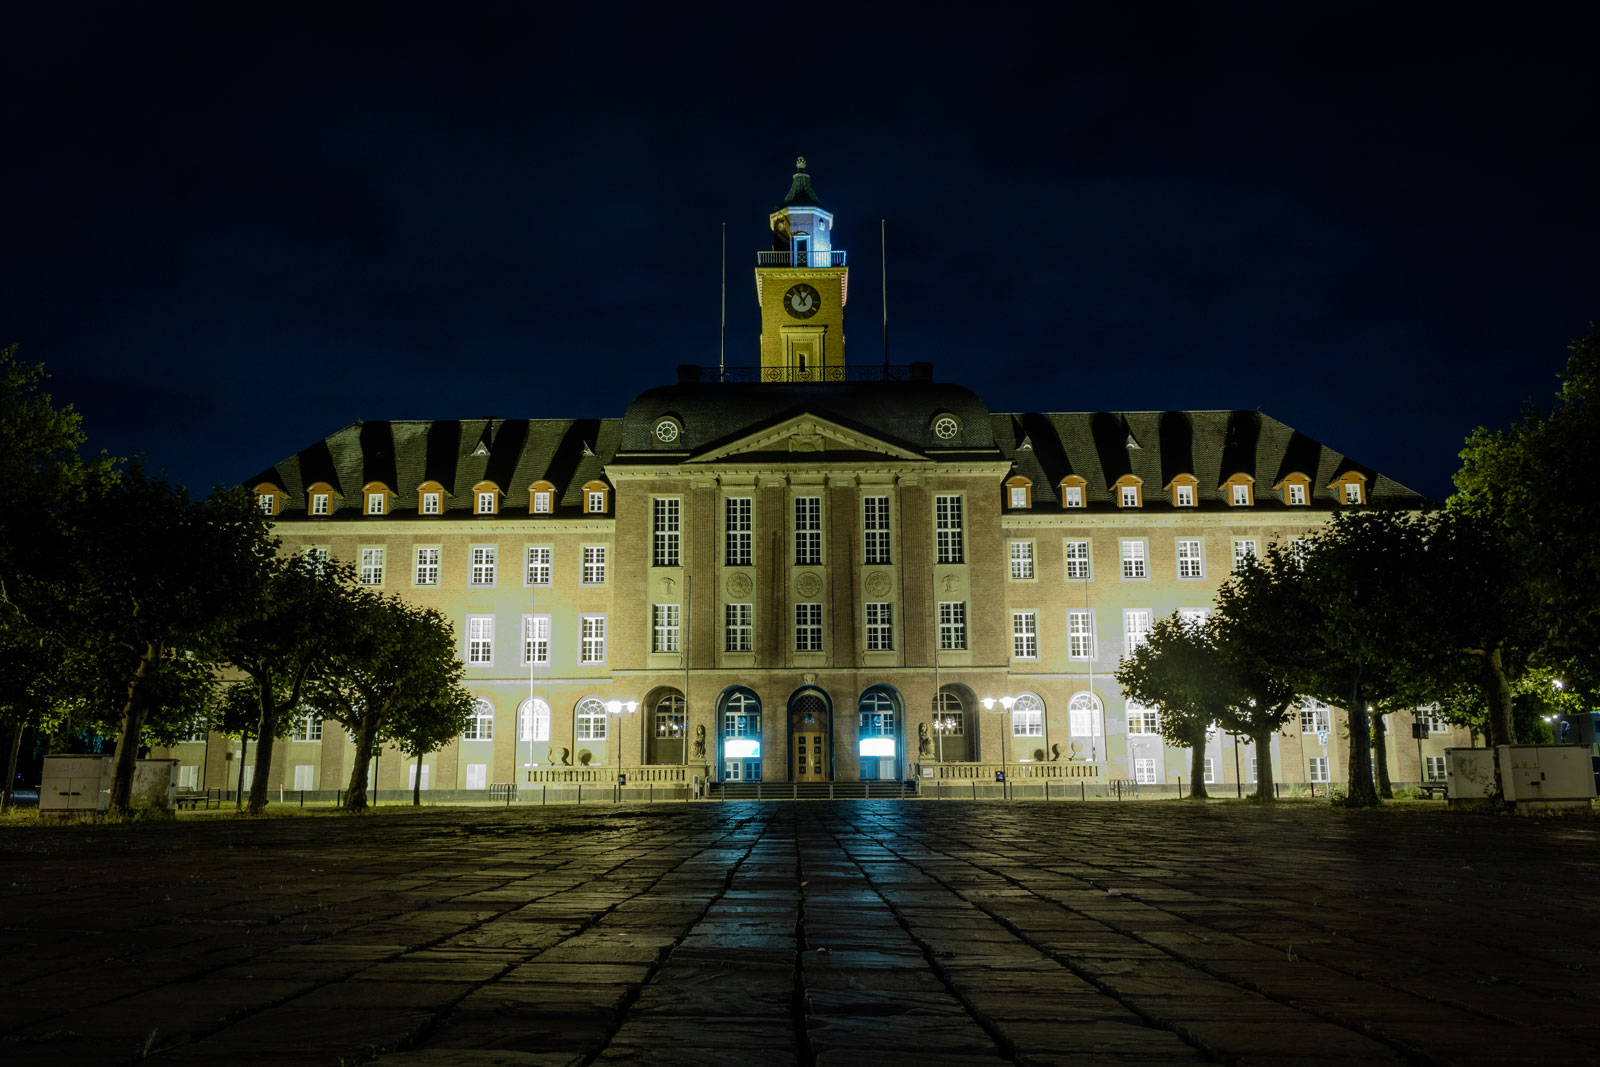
(809, 720)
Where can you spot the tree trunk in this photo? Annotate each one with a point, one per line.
(1361, 792)
(1197, 770)
(355, 798)
(1380, 755)
(1264, 785)
(1497, 691)
(416, 786)
(244, 748)
(13, 751)
(265, 735)
(134, 715)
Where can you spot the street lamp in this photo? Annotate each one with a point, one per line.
(1005, 741)
(943, 724)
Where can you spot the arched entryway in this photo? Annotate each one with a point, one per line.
(739, 735)
(665, 726)
(955, 730)
(882, 715)
(810, 736)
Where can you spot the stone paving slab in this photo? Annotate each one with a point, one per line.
(878, 933)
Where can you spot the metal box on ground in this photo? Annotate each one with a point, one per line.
(155, 784)
(1470, 774)
(78, 783)
(1546, 776)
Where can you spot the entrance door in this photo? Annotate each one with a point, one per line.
(808, 757)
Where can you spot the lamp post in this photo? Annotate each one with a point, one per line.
(1005, 741)
(618, 707)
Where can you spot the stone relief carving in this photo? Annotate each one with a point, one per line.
(738, 586)
(808, 584)
(699, 742)
(879, 583)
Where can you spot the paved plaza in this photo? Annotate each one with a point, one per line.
(874, 932)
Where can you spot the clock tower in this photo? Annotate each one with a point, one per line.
(802, 285)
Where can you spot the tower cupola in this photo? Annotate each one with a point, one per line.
(802, 285)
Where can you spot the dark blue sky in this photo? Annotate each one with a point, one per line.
(233, 228)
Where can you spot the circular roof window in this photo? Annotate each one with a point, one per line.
(946, 428)
(667, 431)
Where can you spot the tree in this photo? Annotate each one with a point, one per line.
(155, 579)
(419, 727)
(1262, 627)
(387, 659)
(1179, 672)
(286, 629)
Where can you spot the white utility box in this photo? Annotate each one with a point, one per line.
(76, 783)
(155, 784)
(1470, 774)
(1546, 776)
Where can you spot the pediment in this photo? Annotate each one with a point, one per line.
(807, 434)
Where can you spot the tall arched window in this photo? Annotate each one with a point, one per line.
(590, 723)
(1027, 716)
(741, 716)
(670, 719)
(877, 714)
(949, 717)
(533, 720)
(1083, 714)
(481, 726)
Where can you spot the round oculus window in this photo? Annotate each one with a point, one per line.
(666, 431)
(946, 428)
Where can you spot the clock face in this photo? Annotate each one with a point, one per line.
(801, 301)
(666, 431)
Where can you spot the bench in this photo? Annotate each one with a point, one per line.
(1433, 789)
(192, 801)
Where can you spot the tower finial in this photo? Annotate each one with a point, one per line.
(800, 162)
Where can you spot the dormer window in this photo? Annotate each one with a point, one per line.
(267, 502)
(1019, 493)
(1241, 495)
(1073, 496)
(541, 502)
(1129, 496)
(1352, 493)
(1128, 492)
(1239, 491)
(319, 498)
(430, 498)
(430, 504)
(486, 502)
(319, 503)
(1183, 496)
(594, 502)
(375, 503)
(541, 498)
(1297, 495)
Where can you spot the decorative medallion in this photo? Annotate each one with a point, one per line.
(808, 584)
(951, 583)
(667, 586)
(738, 586)
(879, 583)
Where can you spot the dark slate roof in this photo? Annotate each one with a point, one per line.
(800, 192)
(714, 413)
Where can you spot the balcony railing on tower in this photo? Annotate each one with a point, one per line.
(800, 259)
(870, 372)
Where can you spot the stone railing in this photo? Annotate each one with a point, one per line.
(1063, 770)
(601, 774)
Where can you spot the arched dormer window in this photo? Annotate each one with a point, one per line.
(1296, 490)
(1073, 491)
(430, 498)
(541, 498)
(270, 499)
(1185, 490)
(596, 498)
(486, 499)
(1350, 488)
(1239, 491)
(376, 498)
(320, 499)
(1019, 493)
(1128, 491)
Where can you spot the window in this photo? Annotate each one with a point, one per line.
(590, 724)
(877, 714)
(1299, 551)
(477, 775)
(1430, 717)
(1128, 496)
(1135, 628)
(1297, 494)
(486, 502)
(1210, 773)
(189, 777)
(737, 536)
(533, 721)
(1144, 771)
(480, 639)
(1022, 559)
(1072, 496)
(427, 566)
(807, 530)
(1078, 560)
(1019, 496)
(319, 503)
(374, 503)
(1241, 494)
(1183, 496)
(317, 559)
(1434, 768)
(535, 640)
(197, 732)
(1027, 716)
(594, 564)
(1193, 616)
(741, 716)
(430, 503)
(541, 501)
(372, 566)
(1319, 768)
(949, 718)
(1314, 717)
(1191, 561)
(808, 627)
(738, 627)
(1024, 635)
(880, 627)
(1080, 635)
(668, 531)
(594, 501)
(304, 776)
(952, 625)
(1255, 768)
(593, 646)
(268, 503)
(538, 565)
(1143, 721)
(483, 564)
(875, 527)
(1242, 552)
(1133, 561)
(947, 523)
(665, 621)
(1083, 715)
(671, 720)
(308, 729)
(1352, 492)
(481, 726)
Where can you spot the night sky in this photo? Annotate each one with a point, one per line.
(231, 229)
